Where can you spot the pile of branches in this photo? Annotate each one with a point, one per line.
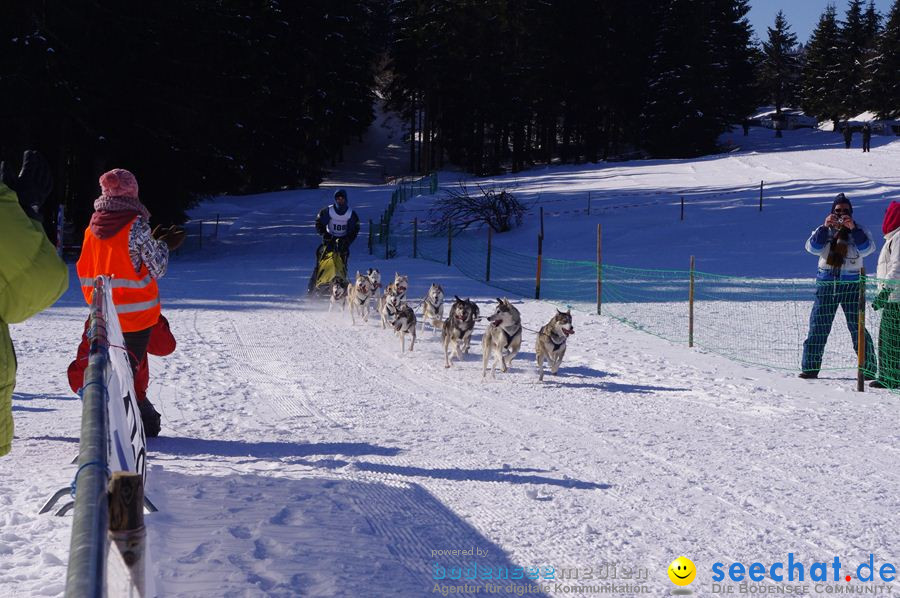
(459, 209)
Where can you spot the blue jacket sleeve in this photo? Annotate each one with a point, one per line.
(818, 239)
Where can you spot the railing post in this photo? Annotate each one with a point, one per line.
(487, 271)
(760, 195)
(537, 281)
(449, 241)
(861, 333)
(691, 307)
(599, 267)
(126, 524)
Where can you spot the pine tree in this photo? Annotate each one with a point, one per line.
(702, 82)
(821, 75)
(884, 83)
(854, 40)
(734, 55)
(779, 69)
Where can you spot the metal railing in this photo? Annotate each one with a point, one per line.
(88, 547)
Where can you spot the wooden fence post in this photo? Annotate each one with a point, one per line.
(487, 272)
(691, 307)
(861, 333)
(682, 207)
(599, 267)
(760, 195)
(126, 523)
(537, 282)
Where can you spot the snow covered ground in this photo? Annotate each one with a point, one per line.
(304, 456)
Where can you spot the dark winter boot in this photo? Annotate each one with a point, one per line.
(810, 375)
(150, 417)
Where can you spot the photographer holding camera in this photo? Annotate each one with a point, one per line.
(841, 245)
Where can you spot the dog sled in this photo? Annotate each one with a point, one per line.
(330, 265)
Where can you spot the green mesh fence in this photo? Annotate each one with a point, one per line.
(777, 323)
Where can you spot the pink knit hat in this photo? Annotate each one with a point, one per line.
(118, 182)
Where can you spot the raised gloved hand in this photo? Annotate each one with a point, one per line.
(33, 183)
(172, 236)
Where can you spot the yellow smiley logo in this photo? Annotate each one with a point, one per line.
(682, 571)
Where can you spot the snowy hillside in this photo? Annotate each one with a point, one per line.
(304, 456)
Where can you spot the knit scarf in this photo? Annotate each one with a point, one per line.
(121, 204)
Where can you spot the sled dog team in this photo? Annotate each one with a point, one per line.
(502, 339)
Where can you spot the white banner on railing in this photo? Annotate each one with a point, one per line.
(127, 445)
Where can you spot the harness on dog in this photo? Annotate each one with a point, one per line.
(392, 310)
(556, 345)
(427, 301)
(361, 299)
(509, 336)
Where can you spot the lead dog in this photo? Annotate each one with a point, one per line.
(358, 295)
(433, 307)
(338, 292)
(456, 330)
(503, 337)
(401, 284)
(390, 305)
(405, 323)
(551, 342)
(374, 277)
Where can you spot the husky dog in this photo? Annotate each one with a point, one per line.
(338, 292)
(475, 315)
(433, 307)
(374, 277)
(551, 342)
(390, 305)
(405, 323)
(358, 295)
(502, 338)
(401, 284)
(457, 328)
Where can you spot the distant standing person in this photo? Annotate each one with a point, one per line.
(866, 136)
(841, 245)
(889, 300)
(848, 135)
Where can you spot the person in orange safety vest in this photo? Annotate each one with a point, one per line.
(119, 243)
